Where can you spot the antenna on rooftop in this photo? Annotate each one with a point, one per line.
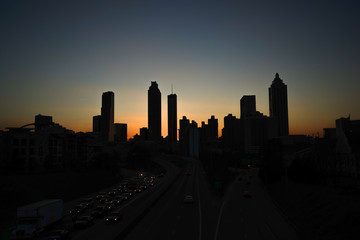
(171, 88)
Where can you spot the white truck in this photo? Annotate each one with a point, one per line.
(33, 218)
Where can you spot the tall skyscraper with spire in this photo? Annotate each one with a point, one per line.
(172, 117)
(154, 112)
(107, 117)
(279, 105)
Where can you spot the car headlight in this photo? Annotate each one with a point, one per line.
(107, 219)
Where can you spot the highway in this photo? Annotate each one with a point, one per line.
(208, 217)
(161, 213)
(130, 209)
(171, 218)
(255, 217)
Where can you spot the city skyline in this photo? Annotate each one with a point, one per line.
(57, 62)
(154, 86)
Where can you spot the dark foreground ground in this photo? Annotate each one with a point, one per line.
(319, 211)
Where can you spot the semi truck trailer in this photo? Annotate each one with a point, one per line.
(33, 218)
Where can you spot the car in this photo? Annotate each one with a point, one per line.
(188, 199)
(112, 193)
(118, 200)
(240, 178)
(246, 194)
(113, 217)
(76, 210)
(100, 195)
(98, 211)
(87, 202)
(248, 182)
(127, 196)
(84, 205)
(57, 234)
(250, 176)
(84, 222)
(161, 175)
(188, 173)
(105, 199)
(109, 206)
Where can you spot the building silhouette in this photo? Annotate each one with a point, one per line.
(213, 128)
(279, 105)
(96, 123)
(172, 118)
(232, 132)
(144, 134)
(209, 132)
(42, 121)
(184, 135)
(154, 112)
(189, 137)
(120, 132)
(256, 131)
(247, 106)
(107, 117)
(194, 139)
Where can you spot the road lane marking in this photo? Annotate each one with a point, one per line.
(218, 222)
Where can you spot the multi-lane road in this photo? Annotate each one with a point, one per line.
(161, 213)
(232, 217)
(254, 217)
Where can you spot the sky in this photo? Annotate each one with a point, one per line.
(58, 57)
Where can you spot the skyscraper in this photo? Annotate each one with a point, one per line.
(213, 128)
(120, 132)
(247, 106)
(279, 105)
(172, 118)
(154, 112)
(96, 123)
(107, 117)
(184, 135)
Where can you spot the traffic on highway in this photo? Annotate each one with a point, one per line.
(103, 207)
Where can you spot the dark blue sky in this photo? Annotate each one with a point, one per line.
(57, 57)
